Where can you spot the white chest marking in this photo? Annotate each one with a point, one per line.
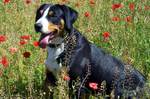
(51, 62)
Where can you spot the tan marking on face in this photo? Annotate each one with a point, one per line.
(59, 28)
(62, 24)
(50, 13)
(53, 27)
(61, 33)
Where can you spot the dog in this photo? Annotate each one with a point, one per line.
(68, 47)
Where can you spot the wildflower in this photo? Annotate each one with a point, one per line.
(23, 42)
(2, 38)
(87, 14)
(147, 7)
(94, 86)
(132, 6)
(66, 78)
(26, 37)
(77, 4)
(115, 19)
(6, 1)
(36, 43)
(28, 1)
(4, 61)
(92, 2)
(13, 50)
(64, 2)
(89, 30)
(106, 35)
(26, 54)
(116, 6)
(128, 19)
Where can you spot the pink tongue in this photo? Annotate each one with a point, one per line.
(44, 41)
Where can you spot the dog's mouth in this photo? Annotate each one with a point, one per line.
(45, 39)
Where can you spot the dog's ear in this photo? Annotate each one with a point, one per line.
(70, 16)
(41, 10)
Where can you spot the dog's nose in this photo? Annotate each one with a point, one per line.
(38, 27)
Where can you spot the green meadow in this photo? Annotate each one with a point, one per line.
(122, 30)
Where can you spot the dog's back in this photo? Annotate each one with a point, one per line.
(114, 72)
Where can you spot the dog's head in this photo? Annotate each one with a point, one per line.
(52, 20)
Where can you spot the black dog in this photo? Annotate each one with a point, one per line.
(67, 46)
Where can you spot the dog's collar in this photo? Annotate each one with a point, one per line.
(53, 45)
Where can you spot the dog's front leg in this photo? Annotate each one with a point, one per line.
(49, 84)
(71, 93)
(48, 89)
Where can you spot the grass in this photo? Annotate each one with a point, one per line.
(128, 41)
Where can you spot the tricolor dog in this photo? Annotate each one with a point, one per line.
(68, 47)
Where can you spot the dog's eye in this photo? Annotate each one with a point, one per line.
(51, 13)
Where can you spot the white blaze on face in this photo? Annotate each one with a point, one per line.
(43, 20)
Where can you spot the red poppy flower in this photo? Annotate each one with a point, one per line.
(2, 38)
(23, 42)
(66, 78)
(106, 35)
(28, 1)
(13, 50)
(115, 19)
(116, 6)
(94, 86)
(87, 14)
(4, 61)
(6, 1)
(128, 19)
(132, 6)
(26, 54)
(26, 37)
(36, 43)
(92, 2)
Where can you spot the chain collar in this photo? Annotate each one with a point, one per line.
(70, 42)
